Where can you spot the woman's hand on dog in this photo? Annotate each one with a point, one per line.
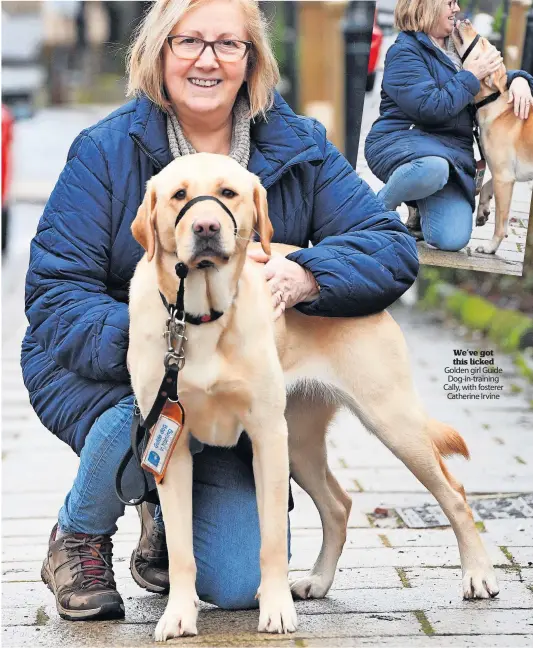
(485, 63)
(520, 94)
(290, 283)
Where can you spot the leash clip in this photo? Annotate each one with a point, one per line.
(173, 358)
(175, 338)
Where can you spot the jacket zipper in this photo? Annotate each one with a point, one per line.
(145, 151)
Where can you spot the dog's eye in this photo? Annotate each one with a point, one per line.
(228, 193)
(180, 195)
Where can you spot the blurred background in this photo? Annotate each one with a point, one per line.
(63, 69)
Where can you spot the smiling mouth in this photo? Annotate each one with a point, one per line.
(204, 83)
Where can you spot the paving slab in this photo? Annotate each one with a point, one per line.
(449, 641)
(215, 627)
(522, 556)
(432, 595)
(417, 576)
(474, 621)
(395, 557)
(421, 537)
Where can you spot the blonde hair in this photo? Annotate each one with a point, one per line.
(144, 61)
(417, 15)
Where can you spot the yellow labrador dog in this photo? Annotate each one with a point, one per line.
(506, 139)
(280, 381)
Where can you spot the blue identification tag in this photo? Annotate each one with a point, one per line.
(163, 438)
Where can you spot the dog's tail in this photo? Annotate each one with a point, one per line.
(447, 440)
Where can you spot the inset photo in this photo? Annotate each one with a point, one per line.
(448, 129)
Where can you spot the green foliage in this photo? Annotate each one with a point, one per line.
(432, 298)
(498, 19)
(477, 313)
(456, 301)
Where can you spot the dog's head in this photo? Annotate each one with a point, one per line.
(204, 232)
(463, 36)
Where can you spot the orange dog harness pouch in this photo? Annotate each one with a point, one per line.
(481, 165)
(163, 438)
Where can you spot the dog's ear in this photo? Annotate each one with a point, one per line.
(499, 78)
(496, 80)
(262, 221)
(143, 226)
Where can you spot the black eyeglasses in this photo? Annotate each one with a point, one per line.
(227, 50)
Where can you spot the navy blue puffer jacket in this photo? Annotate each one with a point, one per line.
(425, 111)
(83, 255)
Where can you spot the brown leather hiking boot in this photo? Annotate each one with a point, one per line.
(413, 224)
(149, 560)
(79, 571)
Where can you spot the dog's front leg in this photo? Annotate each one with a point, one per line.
(271, 471)
(503, 193)
(175, 494)
(483, 210)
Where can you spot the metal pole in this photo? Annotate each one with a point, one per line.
(527, 57)
(503, 28)
(290, 42)
(357, 30)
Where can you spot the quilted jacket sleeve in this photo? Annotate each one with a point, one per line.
(362, 256)
(408, 82)
(69, 311)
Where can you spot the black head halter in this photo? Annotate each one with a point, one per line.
(198, 199)
(470, 48)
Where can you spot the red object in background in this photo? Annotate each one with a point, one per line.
(375, 48)
(7, 138)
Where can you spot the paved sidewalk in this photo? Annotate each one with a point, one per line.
(395, 586)
(509, 258)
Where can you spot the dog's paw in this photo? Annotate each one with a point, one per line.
(276, 610)
(177, 621)
(312, 586)
(486, 249)
(480, 583)
(482, 217)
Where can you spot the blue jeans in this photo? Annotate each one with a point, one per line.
(226, 536)
(445, 212)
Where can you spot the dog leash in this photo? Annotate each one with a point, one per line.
(167, 397)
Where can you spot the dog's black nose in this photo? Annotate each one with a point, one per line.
(206, 227)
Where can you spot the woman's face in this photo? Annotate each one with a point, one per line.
(445, 23)
(206, 86)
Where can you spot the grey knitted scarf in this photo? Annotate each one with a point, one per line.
(450, 51)
(240, 136)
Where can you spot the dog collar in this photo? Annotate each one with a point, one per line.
(487, 100)
(212, 316)
(470, 48)
(198, 199)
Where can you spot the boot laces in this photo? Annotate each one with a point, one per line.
(91, 557)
